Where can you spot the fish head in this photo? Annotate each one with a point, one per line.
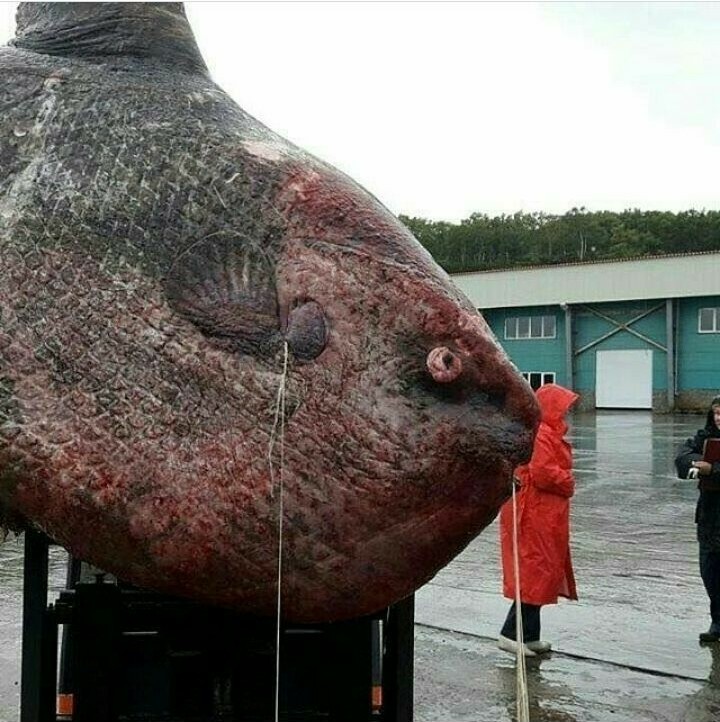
(406, 418)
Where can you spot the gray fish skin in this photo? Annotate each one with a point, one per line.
(159, 248)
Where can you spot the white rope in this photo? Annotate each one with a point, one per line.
(279, 420)
(523, 701)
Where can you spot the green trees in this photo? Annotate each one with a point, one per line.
(482, 242)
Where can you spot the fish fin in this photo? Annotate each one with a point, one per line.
(156, 31)
(225, 285)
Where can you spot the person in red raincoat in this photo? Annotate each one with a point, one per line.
(543, 511)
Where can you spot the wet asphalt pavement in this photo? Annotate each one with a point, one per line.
(628, 649)
(626, 652)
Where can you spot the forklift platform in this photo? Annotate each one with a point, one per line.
(129, 655)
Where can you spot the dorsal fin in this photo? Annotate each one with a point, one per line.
(153, 30)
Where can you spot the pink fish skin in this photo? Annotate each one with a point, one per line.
(160, 250)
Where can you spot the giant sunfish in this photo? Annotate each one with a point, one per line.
(168, 266)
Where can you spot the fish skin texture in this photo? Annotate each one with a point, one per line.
(159, 251)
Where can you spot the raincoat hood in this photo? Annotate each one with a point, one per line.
(555, 401)
(710, 421)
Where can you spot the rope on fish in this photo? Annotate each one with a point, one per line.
(279, 421)
(523, 702)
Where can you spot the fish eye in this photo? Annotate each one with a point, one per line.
(306, 330)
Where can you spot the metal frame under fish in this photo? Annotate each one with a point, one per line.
(160, 250)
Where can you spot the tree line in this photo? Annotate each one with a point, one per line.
(483, 242)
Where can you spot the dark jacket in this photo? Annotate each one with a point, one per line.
(707, 512)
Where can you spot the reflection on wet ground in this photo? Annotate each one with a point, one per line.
(627, 651)
(642, 602)
(460, 678)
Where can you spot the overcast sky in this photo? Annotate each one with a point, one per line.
(443, 109)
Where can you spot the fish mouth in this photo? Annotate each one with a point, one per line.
(508, 475)
(522, 452)
(497, 475)
(494, 472)
(503, 450)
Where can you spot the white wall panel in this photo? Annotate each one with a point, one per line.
(668, 277)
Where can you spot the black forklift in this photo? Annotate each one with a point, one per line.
(103, 651)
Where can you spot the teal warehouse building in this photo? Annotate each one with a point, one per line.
(631, 334)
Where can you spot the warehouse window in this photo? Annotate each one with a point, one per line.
(709, 320)
(517, 327)
(536, 379)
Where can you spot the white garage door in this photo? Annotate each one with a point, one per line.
(623, 379)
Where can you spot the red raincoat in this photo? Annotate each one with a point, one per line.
(543, 508)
